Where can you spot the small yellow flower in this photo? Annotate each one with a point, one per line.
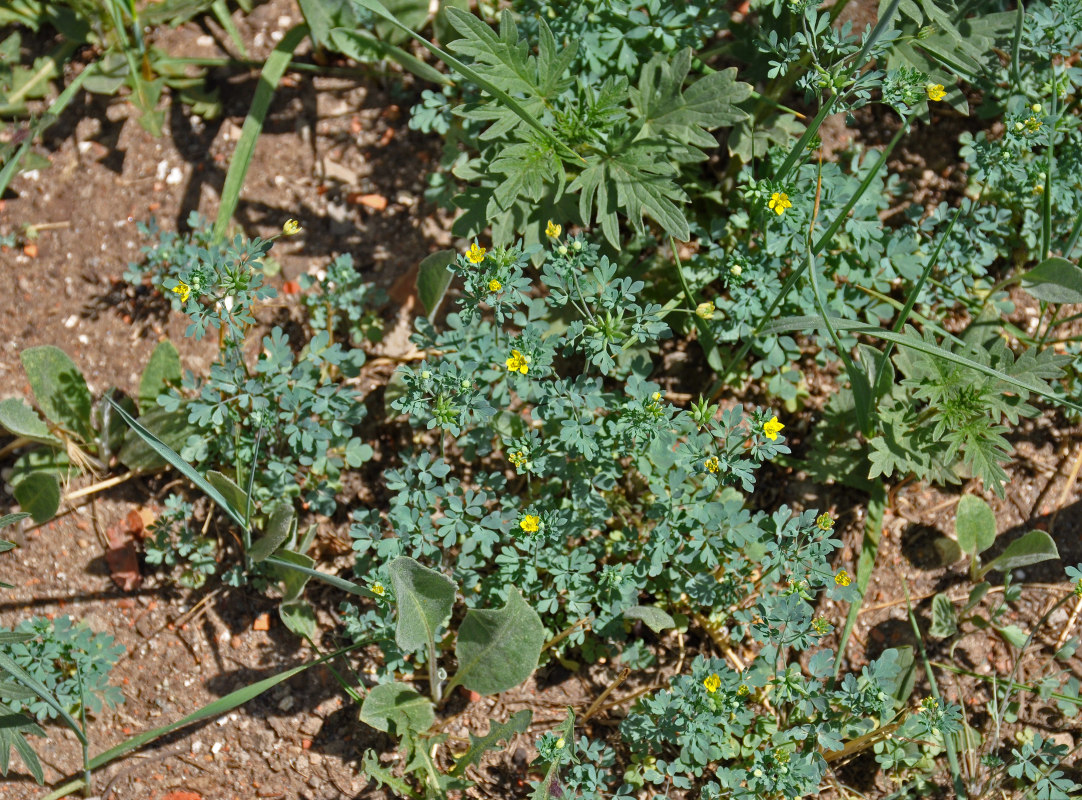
(712, 464)
(842, 578)
(377, 587)
(935, 91)
(552, 230)
(475, 255)
(531, 523)
(735, 270)
(705, 310)
(929, 704)
(712, 682)
(820, 625)
(494, 285)
(518, 362)
(1035, 108)
(560, 742)
(517, 459)
(291, 227)
(824, 522)
(1033, 124)
(772, 428)
(743, 691)
(184, 290)
(779, 201)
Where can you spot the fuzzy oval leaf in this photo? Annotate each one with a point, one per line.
(60, 388)
(300, 618)
(39, 495)
(19, 419)
(433, 278)
(278, 530)
(974, 525)
(1054, 280)
(498, 649)
(944, 622)
(1033, 548)
(162, 370)
(654, 618)
(424, 598)
(170, 427)
(397, 705)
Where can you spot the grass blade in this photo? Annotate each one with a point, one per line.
(182, 466)
(272, 73)
(862, 328)
(215, 709)
(221, 13)
(59, 104)
(326, 577)
(873, 532)
(7, 664)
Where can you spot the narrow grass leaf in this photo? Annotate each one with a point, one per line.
(273, 70)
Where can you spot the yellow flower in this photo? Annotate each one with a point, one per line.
(712, 682)
(929, 705)
(743, 691)
(531, 523)
(377, 587)
(735, 270)
(184, 290)
(1033, 124)
(779, 201)
(824, 522)
(475, 255)
(842, 578)
(517, 459)
(518, 362)
(560, 742)
(820, 625)
(705, 310)
(935, 91)
(772, 428)
(291, 227)
(494, 285)
(712, 464)
(552, 230)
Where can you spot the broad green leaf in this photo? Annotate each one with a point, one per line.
(498, 649)
(397, 706)
(300, 618)
(296, 575)
(464, 22)
(162, 370)
(497, 732)
(169, 427)
(43, 460)
(424, 598)
(433, 278)
(39, 495)
(1054, 280)
(279, 525)
(975, 524)
(688, 115)
(654, 618)
(19, 419)
(636, 178)
(60, 389)
(1012, 634)
(1033, 548)
(944, 621)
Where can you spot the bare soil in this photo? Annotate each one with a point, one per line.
(329, 141)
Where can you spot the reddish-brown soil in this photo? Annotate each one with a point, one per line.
(327, 141)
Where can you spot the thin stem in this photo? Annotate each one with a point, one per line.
(1049, 166)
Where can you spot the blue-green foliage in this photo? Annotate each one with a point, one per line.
(70, 660)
